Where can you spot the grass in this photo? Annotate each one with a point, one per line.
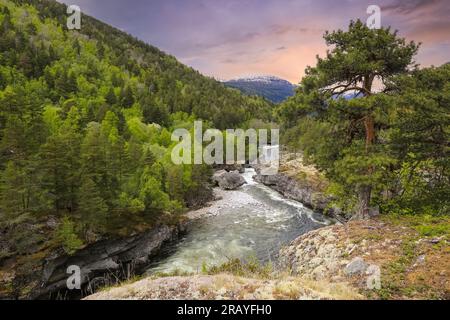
(130, 280)
(425, 225)
(402, 276)
(249, 269)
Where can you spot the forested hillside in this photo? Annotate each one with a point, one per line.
(85, 127)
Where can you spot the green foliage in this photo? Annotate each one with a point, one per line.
(427, 225)
(12, 191)
(92, 206)
(386, 147)
(86, 120)
(250, 268)
(67, 236)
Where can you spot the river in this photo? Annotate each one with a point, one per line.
(254, 221)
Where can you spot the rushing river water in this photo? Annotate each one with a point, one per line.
(254, 221)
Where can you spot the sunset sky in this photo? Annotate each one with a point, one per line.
(232, 38)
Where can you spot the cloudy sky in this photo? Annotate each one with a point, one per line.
(232, 38)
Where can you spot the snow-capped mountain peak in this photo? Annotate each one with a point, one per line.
(261, 79)
(270, 87)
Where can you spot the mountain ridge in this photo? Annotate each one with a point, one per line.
(270, 87)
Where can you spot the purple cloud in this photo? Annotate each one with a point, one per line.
(229, 38)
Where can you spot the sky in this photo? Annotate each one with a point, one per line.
(229, 39)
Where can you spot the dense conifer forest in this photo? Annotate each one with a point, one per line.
(85, 125)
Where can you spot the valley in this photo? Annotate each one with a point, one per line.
(352, 204)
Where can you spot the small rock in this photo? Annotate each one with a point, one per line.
(356, 266)
(52, 222)
(316, 261)
(435, 240)
(420, 260)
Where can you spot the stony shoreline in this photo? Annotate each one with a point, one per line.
(102, 263)
(374, 259)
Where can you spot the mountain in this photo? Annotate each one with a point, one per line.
(272, 88)
(32, 44)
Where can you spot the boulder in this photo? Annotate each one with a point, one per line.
(228, 180)
(356, 266)
(234, 167)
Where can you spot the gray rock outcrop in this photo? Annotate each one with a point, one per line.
(228, 180)
(355, 267)
(292, 189)
(118, 259)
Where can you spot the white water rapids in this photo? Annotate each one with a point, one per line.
(254, 221)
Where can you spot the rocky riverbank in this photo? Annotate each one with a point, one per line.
(227, 287)
(39, 269)
(106, 262)
(292, 189)
(377, 259)
(302, 183)
(383, 258)
(102, 263)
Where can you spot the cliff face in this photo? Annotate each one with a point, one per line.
(300, 182)
(105, 260)
(103, 263)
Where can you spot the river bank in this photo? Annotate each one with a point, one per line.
(387, 257)
(39, 271)
(102, 263)
(250, 221)
(384, 258)
(302, 183)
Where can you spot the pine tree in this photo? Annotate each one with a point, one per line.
(92, 207)
(12, 192)
(419, 139)
(111, 97)
(67, 236)
(350, 152)
(127, 98)
(60, 168)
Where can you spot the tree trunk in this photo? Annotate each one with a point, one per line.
(370, 131)
(364, 203)
(365, 191)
